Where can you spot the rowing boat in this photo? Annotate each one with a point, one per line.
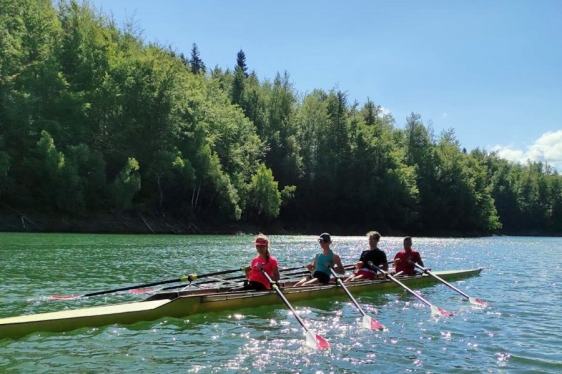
(185, 303)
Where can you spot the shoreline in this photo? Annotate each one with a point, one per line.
(160, 224)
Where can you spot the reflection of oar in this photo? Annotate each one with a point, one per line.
(190, 277)
(471, 299)
(434, 309)
(368, 322)
(313, 340)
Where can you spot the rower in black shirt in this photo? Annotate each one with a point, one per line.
(374, 254)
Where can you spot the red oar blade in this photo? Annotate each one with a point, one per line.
(440, 311)
(477, 302)
(315, 341)
(142, 290)
(371, 323)
(64, 297)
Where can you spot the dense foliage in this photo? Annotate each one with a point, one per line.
(93, 119)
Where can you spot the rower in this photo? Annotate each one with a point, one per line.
(402, 259)
(374, 254)
(322, 263)
(264, 260)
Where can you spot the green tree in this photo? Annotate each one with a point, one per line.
(238, 85)
(241, 62)
(265, 197)
(125, 185)
(197, 65)
(5, 181)
(88, 169)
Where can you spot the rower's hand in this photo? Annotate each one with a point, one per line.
(359, 265)
(310, 267)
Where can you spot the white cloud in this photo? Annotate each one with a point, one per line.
(383, 112)
(547, 148)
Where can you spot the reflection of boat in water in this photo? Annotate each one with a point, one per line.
(184, 303)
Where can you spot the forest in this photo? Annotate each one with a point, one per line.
(95, 119)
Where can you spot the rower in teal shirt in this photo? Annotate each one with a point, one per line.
(322, 264)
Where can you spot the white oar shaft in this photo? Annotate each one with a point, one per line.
(312, 339)
(442, 280)
(471, 299)
(433, 308)
(367, 321)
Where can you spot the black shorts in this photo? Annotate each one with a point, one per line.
(253, 285)
(322, 277)
(250, 285)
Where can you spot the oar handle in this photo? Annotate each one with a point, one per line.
(425, 270)
(336, 275)
(375, 267)
(193, 277)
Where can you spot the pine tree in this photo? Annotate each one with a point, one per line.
(184, 60)
(197, 65)
(241, 62)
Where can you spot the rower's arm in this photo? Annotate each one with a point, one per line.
(385, 265)
(312, 267)
(339, 266)
(395, 262)
(276, 275)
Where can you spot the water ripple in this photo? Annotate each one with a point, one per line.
(518, 333)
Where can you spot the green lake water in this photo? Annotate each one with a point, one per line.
(521, 331)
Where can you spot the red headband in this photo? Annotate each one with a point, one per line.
(261, 241)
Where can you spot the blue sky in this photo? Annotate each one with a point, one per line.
(491, 70)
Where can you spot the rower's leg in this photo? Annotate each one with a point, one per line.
(311, 282)
(301, 282)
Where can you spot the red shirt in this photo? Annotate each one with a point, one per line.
(255, 273)
(404, 264)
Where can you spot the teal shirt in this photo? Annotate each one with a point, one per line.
(321, 261)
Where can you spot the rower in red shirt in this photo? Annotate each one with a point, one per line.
(403, 258)
(264, 259)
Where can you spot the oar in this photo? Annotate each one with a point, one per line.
(313, 340)
(146, 290)
(282, 271)
(213, 280)
(470, 299)
(368, 321)
(434, 309)
(190, 277)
